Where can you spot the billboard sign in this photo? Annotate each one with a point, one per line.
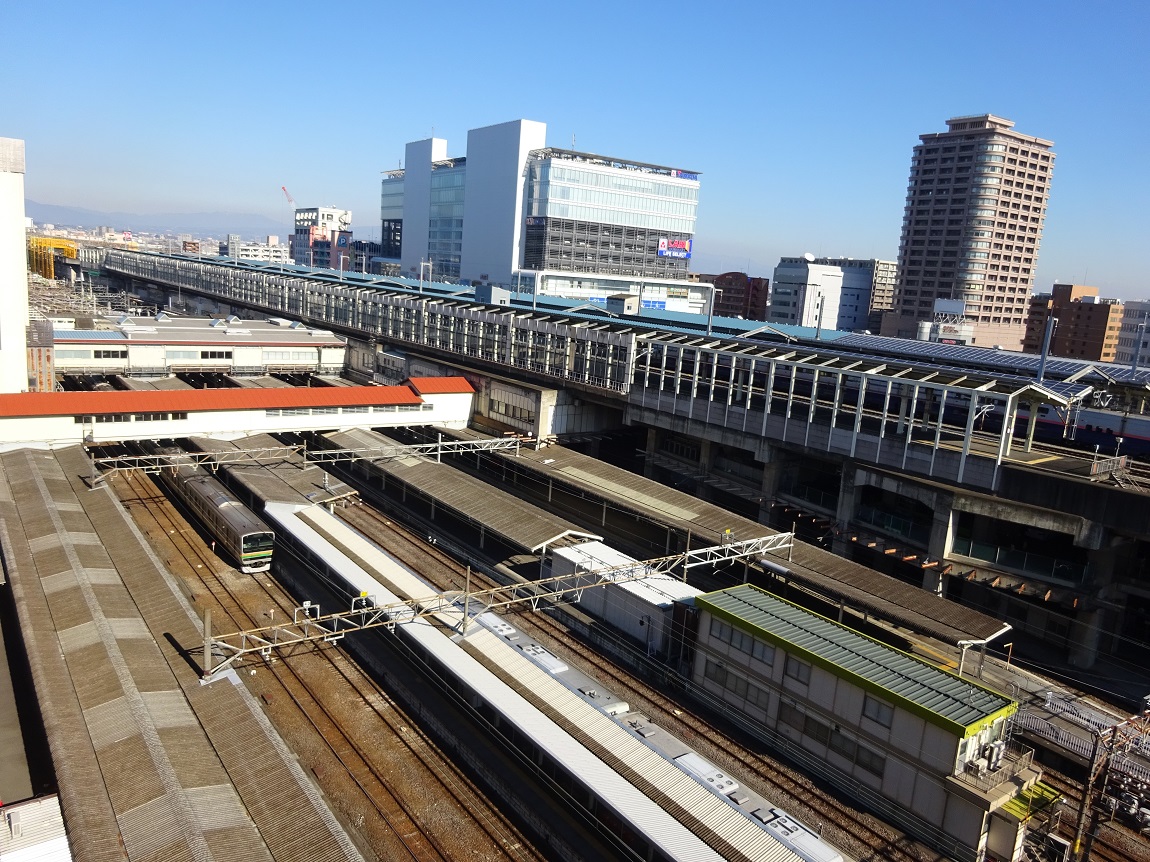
(677, 248)
(684, 175)
(191, 246)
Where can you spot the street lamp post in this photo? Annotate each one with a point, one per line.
(711, 307)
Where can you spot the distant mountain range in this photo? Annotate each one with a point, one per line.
(217, 224)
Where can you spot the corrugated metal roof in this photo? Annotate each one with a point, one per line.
(29, 404)
(440, 385)
(941, 697)
(514, 520)
(82, 335)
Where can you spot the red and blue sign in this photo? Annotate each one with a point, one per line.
(677, 248)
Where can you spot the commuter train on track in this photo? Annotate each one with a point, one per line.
(240, 533)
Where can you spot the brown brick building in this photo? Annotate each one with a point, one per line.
(1088, 325)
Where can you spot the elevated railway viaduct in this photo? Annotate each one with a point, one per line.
(923, 466)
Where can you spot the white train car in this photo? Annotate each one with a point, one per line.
(643, 609)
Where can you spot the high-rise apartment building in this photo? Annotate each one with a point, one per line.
(975, 210)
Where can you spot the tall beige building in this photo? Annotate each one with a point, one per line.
(975, 209)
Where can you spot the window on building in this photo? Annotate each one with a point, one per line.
(870, 761)
(877, 711)
(797, 669)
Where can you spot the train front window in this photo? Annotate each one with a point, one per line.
(254, 543)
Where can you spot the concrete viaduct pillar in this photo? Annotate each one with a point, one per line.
(652, 448)
(848, 502)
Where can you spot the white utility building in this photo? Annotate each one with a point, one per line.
(13, 269)
(804, 293)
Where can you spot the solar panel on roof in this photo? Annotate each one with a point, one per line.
(87, 335)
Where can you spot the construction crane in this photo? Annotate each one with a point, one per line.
(287, 195)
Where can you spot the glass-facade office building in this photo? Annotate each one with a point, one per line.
(586, 213)
(514, 209)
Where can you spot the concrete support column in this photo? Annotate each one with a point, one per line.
(652, 448)
(939, 546)
(1031, 424)
(1084, 635)
(706, 455)
(1089, 626)
(905, 395)
(706, 459)
(772, 474)
(845, 511)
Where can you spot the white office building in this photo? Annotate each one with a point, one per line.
(517, 213)
(271, 251)
(847, 291)
(804, 293)
(321, 235)
(13, 269)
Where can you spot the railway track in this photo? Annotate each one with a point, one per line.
(1113, 841)
(361, 747)
(860, 835)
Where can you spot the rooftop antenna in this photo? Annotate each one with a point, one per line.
(572, 140)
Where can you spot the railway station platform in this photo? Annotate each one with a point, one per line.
(490, 510)
(151, 765)
(571, 478)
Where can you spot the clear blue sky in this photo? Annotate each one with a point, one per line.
(800, 116)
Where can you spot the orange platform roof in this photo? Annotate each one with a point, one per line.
(441, 385)
(30, 404)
